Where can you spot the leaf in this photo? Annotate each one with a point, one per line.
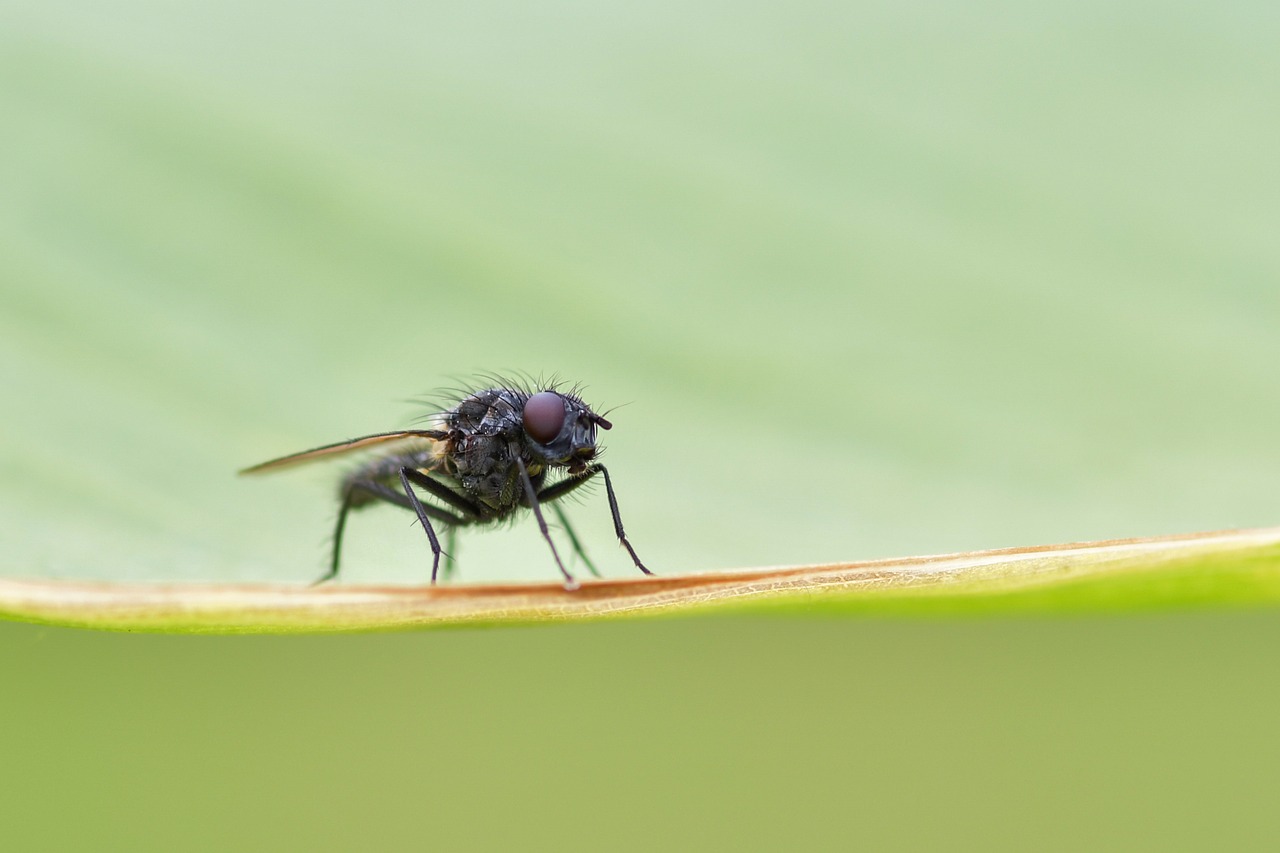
(1230, 567)
(852, 313)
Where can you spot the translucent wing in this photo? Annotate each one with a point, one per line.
(342, 447)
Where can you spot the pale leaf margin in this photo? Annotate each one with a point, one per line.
(1238, 567)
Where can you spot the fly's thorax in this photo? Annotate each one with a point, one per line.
(440, 452)
(546, 429)
(480, 428)
(491, 412)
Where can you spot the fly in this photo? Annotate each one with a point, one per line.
(495, 452)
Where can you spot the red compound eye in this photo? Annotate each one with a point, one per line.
(544, 416)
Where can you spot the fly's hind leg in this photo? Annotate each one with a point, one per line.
(338, 527)
(377, 490)
(354, 490)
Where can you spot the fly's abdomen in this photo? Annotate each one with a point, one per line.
(385, 471)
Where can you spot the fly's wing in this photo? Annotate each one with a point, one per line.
(347, 446)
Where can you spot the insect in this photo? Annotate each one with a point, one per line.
(495, 452)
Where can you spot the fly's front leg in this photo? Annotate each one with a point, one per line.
(563, 488)
(532, 496)
(617, 518)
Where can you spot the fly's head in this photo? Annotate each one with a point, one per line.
(562, 429)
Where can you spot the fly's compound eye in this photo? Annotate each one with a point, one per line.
(544, 416)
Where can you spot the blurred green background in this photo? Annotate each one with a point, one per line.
(872, 279)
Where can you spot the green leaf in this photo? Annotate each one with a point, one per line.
(1235, 567)
(865, 289)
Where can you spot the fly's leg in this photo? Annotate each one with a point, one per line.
(617, 518)
(424, 518)
(468, 508)
(532, 497)
(450, 551)
(573, 538)
(338, 528)
(369, 487)
(382, 492)
(563, 488)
